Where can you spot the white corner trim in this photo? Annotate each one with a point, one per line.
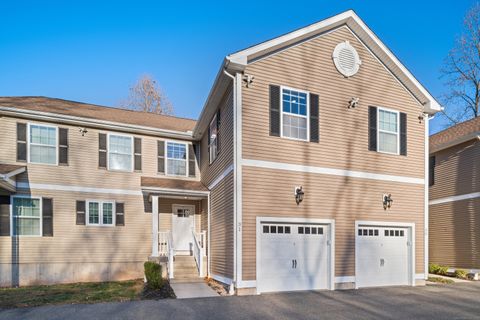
(330, 171)
(345, 279)
(243, 284)
(455, 198)
(426, 195)
(220, 177)
(57, 187)
(420, 276)
(222, 279)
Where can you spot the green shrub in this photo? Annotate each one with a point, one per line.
(153, 273)
(461, 274)
(443, 270)
(433, 268)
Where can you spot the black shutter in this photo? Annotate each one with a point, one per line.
(403, 134)
(63, 146)
(80, 220)
(431, 171)
(161, 156)
(138, 154)
(47, 217)
(372, 128)
(314, 132)
(218, 131)
(5, 216)
(102, 150)
(275, 111)
(119, 214)
(21, 142)
(191, 161)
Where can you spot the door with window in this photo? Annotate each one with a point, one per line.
(182, 228)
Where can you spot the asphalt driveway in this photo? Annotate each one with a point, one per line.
(456, 301)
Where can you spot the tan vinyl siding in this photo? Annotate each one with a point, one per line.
(343, 132)
(457, 171)
(82, 169)
(225, 158)
(455, 234)
(221, 223)
(270, 193)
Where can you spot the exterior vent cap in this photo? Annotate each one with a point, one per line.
(346, 59)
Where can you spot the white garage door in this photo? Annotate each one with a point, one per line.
(293, 257)
(383, 256)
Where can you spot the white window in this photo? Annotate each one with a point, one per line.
(100, 213)
(42, 144)
(294, 114)
(26, 216)
(120, 152)
(212, 139)
(176, 159)
(388, 131)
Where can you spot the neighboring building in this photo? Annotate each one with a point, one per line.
(455, 196)
(285, 182)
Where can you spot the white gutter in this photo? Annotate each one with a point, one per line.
(177, 192)
(426, 196)
(103, 124)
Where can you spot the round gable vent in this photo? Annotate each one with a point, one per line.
(346, 59)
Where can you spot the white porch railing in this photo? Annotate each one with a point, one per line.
(165, 248)
(199, 251)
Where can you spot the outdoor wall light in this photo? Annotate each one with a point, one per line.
(421, 117)
(299, 194)
(353, 103)
(387, 201)
(83, 131)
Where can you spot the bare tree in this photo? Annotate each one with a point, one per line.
(462, 72)
(146, 95)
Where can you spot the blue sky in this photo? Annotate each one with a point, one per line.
(93, 51)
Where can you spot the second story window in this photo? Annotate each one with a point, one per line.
(213, 137)
(294, 114)
(388, 131)
(42, 144)
(176, 159)
(120, 152)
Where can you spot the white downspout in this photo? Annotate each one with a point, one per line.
(426, 209)
(209, 250)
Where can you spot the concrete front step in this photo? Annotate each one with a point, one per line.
(186, 280)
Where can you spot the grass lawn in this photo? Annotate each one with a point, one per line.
(71, 293)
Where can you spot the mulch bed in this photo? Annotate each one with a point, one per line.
(165, 292)
(220, 288)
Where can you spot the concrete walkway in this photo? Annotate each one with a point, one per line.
(193, 290)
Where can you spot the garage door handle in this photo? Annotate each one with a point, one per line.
(295, 263)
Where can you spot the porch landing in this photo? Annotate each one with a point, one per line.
(187, 290)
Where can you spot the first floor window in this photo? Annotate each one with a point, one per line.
(388, 133)
(43, 144)
(100, 213)
(294, 114)
(176, 159)
(26, 216)
(120, 152)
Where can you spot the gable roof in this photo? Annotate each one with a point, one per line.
(90, 112)
(455, 135)
(236, 62)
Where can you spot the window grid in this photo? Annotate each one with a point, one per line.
(176, 159)
(42, 144)
(294, 114)
(100, 213)
(120, 152)
(26, 216)
(388, 131)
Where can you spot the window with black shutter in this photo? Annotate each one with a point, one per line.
(314, 125)
(119, 213)
(63, 146)
(5, 216)
(275, 110)
(191, 161)
(80, 212)
(431, 171)
(161, 156)
(372, 128)
(47, 217)
(21, 142)
(102, 150)
(137, 154)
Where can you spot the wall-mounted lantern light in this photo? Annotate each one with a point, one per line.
(299, 194)
(421, 117)
(353, 103)
(387, 201)
(83, 131)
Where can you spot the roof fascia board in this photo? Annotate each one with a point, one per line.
(102, 124)
(471, 136)
(169, 191)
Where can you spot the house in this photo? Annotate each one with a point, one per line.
(455, 196)
(305, 170)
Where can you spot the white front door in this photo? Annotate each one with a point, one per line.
(182, 228)
(383, 256)
(293, 257)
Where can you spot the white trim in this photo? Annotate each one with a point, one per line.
(100, 213)
(336, 59)
(57, 187)
(103, 124)
(209, 144)
(166, 158)
(351, 19)
(345, 279)
(388, 132)
(409, 225)
(155, 226)
(176, 206)
(132, 155)
(219, 178)
(243, 284)
(330, 243)
(209, 253)
(329, 171)
(426, 213)
(455, 198)
(307, 93)
(238, 178)
(183, 192)
(13, 173)
(29, 124)
(12, 197)
(420, 276)
(222, 279)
